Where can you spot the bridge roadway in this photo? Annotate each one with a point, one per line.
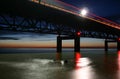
(52, 20)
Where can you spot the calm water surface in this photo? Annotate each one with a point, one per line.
(47, 64)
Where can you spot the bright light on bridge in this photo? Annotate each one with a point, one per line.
(83, 12)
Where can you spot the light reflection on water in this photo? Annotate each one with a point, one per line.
(83, 73)
(118, 59)
(83, 69)
(42, 69)
(96, 65)
(37, 69)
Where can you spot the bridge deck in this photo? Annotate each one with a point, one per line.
(25, 8)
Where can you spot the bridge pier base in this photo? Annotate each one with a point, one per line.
(58, 56)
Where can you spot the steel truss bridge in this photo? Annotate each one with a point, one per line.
(56, 17)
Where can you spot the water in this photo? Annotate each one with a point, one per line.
(47, 64)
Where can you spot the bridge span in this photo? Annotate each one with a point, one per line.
(56, 17)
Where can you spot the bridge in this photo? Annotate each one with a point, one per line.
(56, 17)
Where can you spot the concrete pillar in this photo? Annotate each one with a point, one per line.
(59, 44)
(118, 45)
(77, 44)
(106, 45)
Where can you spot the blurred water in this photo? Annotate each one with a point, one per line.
(47, 64)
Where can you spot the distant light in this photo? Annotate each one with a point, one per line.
(84, 12)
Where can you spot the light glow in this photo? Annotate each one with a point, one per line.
(84, 12)
(118, 39)
(82, 68)
(78, 33)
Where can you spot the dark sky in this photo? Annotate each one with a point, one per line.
(104, 8)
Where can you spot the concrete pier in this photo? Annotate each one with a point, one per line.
(59, 44)
(118, 44)
(106, 45)
(76, 42)
(109, 41)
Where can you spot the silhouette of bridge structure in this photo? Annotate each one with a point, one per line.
(56, 17)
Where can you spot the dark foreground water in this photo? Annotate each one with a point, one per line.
(47, 64)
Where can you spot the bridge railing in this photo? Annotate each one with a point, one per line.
(76, 11)
(58, 5)
(103, 21)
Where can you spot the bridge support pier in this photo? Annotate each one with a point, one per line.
(59, 44)
(77, 44)
(107, 41)
(106, 45)
(118, 45)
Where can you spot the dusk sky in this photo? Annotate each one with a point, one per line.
(25, 39)
(105, 8)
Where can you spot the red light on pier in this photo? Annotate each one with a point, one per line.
(118, 39)
(78, 33)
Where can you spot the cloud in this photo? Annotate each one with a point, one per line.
(25, 36)
(8, 38)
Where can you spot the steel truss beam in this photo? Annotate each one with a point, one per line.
(16, 23)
